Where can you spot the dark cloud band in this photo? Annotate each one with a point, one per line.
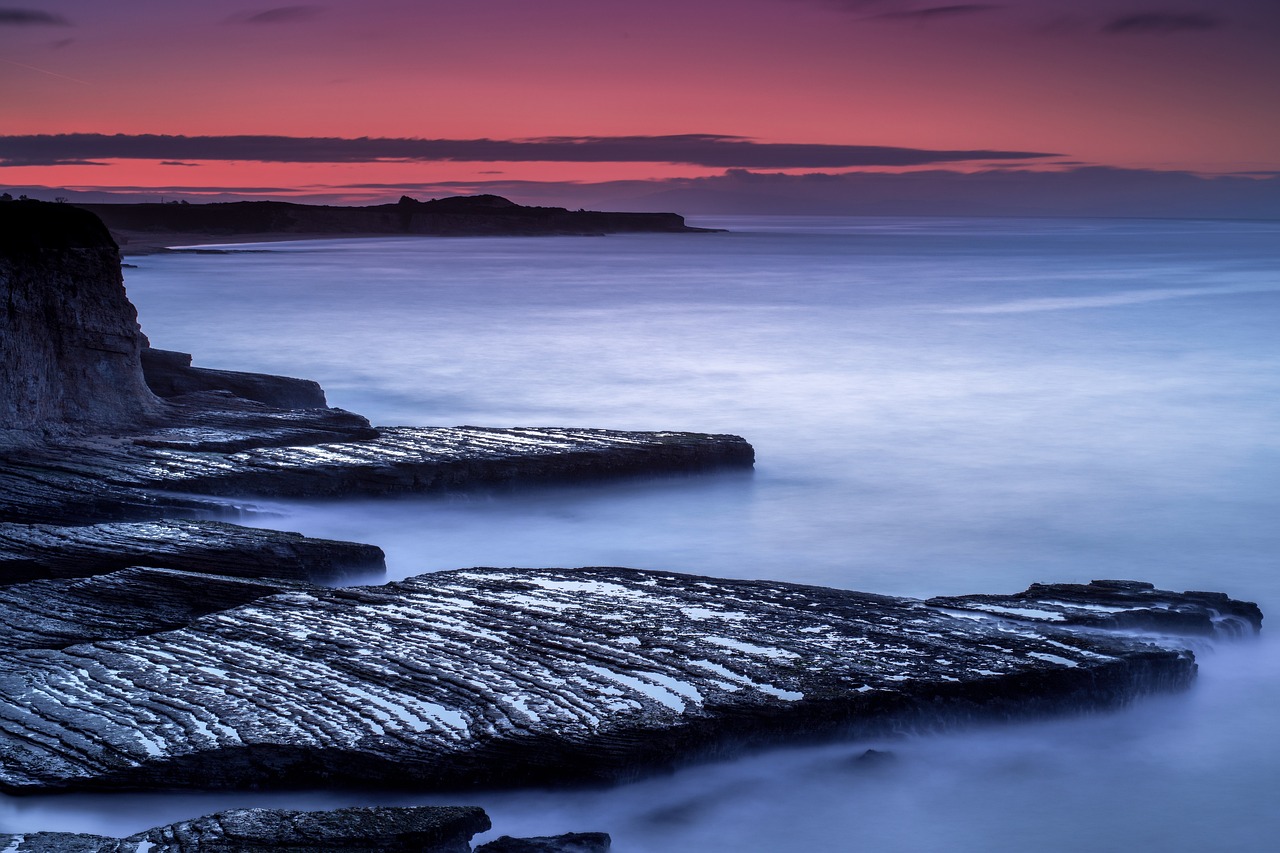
(279, 15)
(1162, 22)
(689, 149)
(30, 17)
(933, 13)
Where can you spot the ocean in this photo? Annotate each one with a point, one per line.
(938, 406)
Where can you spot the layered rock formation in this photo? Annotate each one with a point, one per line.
(32, 551)
(158, 655)
(505, 676)
(88, 440)
(426, 829)
(170, 374)
(54, 614)
(69, 338)
(421, 829)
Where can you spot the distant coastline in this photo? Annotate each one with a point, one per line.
(150, 228)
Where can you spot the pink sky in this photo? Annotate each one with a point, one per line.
(1187, 85)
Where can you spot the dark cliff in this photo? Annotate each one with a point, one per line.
(483, 215)
(70, 342)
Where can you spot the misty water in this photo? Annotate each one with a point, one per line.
(937, 406)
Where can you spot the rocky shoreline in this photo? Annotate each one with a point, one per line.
(144, 646)
(425, 829)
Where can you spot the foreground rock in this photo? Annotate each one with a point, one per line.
(32, 551)
(426, 829)
(54, 614)
(508, 677)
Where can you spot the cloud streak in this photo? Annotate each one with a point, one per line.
(1161, 22)
(279, 15)
(10, 17)
(934, 13)
(708, 150)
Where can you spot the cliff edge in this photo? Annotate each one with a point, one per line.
(70, 344)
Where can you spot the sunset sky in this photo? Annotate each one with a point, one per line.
(365, 98)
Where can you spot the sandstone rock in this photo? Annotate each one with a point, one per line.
(530, 676)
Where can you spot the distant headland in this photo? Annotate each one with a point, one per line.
(148, 228)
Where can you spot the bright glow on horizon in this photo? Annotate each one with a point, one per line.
(1194, 91)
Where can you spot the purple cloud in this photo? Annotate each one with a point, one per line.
(1162, 22)
(10, 17)
(280, 15)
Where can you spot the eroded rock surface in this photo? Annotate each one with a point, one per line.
(1119, 605)
(54, 614)
(570, 842)
(424, 829)
(32, 551)
(130, 478)
(506, 676)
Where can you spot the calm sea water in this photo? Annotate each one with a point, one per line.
(938, 406)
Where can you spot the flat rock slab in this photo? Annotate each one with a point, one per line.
(32, 551)
(570, 842)
(129, 478)
(518, 676)
(424, 829)
(1118, 605)
(54, 614)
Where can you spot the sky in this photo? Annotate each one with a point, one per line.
(598, 100)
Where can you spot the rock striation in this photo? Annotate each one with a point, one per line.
(532, 676)
(570, 842)
(33, 551)
(422, 829)
(1118, 605)
(54, 614)
(57, 483)
(95, 425)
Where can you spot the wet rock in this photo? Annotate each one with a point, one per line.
(130, 478)
(570, 842)
(424, 829)
(170, 374)
(86, 439)
(527, 676)
(1118, 605)
(54, 614)
(31, 551)
(69, 337)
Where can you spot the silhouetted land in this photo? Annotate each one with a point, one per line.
(142, 228)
